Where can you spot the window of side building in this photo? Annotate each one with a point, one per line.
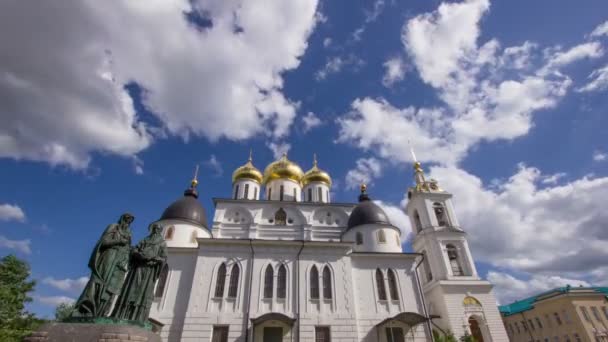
(566, 317)
(596, 313)
(531, 324)
(322, 334)
(220, 334)
(558, 320)
(585, 314)
(538, 323)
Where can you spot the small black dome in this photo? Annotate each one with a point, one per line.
(187, 208)
(367, 212)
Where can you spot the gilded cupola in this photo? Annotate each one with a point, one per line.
(283, 169)
(247, 171)
(315, 174)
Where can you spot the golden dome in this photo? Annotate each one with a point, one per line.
(316, 175)
(247, 171)
(283, 169)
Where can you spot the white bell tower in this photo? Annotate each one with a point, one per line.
(452, 287)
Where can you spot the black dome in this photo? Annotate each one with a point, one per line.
(187, 208)
(367, 212)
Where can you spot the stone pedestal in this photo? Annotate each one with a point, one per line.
(91, 332)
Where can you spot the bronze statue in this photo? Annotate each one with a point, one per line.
(108, 264)
(147, 260)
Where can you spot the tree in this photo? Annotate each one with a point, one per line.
(15, 321)
(63, 311)
(447, 337)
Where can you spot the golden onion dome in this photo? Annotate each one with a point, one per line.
(282, 169)
(316, 175)
(247, 171)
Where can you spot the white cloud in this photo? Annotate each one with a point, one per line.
(370, 16)
(398, 218)
(9, 212)
(54, 300)
(576, 53)
(214, 165)
(327, 42)
(366, 170)
(599, 156)
(22, 246)
(64, 100)
(336, 64)
(598, 82)
(509, 288)
(310, 121)
(67, 284)
(552, 179)
(278, 148)
(394, 71)
(600, 30)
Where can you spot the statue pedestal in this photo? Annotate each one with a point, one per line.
(92, 332)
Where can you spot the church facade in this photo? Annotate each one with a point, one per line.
(282, 262)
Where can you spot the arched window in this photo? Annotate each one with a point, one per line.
(314, 283)
(359, 238)
(320, 195)
(381, 236)
(281, 192)
(326, 283)
(234, 281)
(397, 239)
(280, 217)
(236, 191)
(380, 285)
(309, 194)
(392, 285)
(169, 233)
(417, 222)
(440, 214)
(255, 192)
(161, 282)
(269, 193)
(193, 237)
(282, 282)
(268, 278)
(220, 280)
(246, 195)
(454, 260)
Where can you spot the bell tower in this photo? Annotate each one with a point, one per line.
(448, 275)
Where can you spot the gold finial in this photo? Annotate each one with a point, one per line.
(363, 188)
(314, 159)
(194, 182)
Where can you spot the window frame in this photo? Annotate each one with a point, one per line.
(268, 282)
(233, 283)
(161, 283)
(381, 236)
(327, 282)
(220, 281)
(282, 282)
(314, 282)
(393, 287)
(324, 329)
(222, 329)
(380, 286)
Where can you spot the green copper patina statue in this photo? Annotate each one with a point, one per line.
(108, 264)
(147, 261)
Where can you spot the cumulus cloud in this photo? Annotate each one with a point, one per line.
(508, 288)
(327, 42)
(310, 121)
(366, 170)
(11, 212)
(336, 64)
(398, 218)
(22, 246)
(67, 284)
(600, 30)
(599, 156)
(576, 53)
(371, 15)
(214, 165)
(64, 75)
(394, 71)
(54, 300)
(278, 148)
(598, 81)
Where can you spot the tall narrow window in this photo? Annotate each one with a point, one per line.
(454, 260)
(295, 194)
(538, 322)
(255, 192)
(220, 334)
(440, 214)
(314, 283)
(246, 195)
(236, 191)
(219, 281)
(326, 283)
(280, 217)
(268, 278)
(327, 196)
(269, 194)
(380, 285)
(585, 314)
(234, 281)
(281, 192)
(427, 267)
(319, 195)
(169, 233)
(359, 238)
(282, 282)
(161, 282)
(322, 334)
(417, 222)
(557, 318)
(381, 236)
(392, 285)
(309, 194)
(596, 313)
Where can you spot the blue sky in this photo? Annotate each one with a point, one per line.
(106, 108)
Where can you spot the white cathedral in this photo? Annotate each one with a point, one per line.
(281, 262)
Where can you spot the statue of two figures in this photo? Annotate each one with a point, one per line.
(118, 269)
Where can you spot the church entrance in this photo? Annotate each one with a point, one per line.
(475, 329)
(273, 334)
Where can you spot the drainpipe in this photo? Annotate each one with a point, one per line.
(298, 288)
(250, 289)
(428, 321)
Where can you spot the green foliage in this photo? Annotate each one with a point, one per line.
(440, 337)
(467, 338)
(15, 322)
(63, 311)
